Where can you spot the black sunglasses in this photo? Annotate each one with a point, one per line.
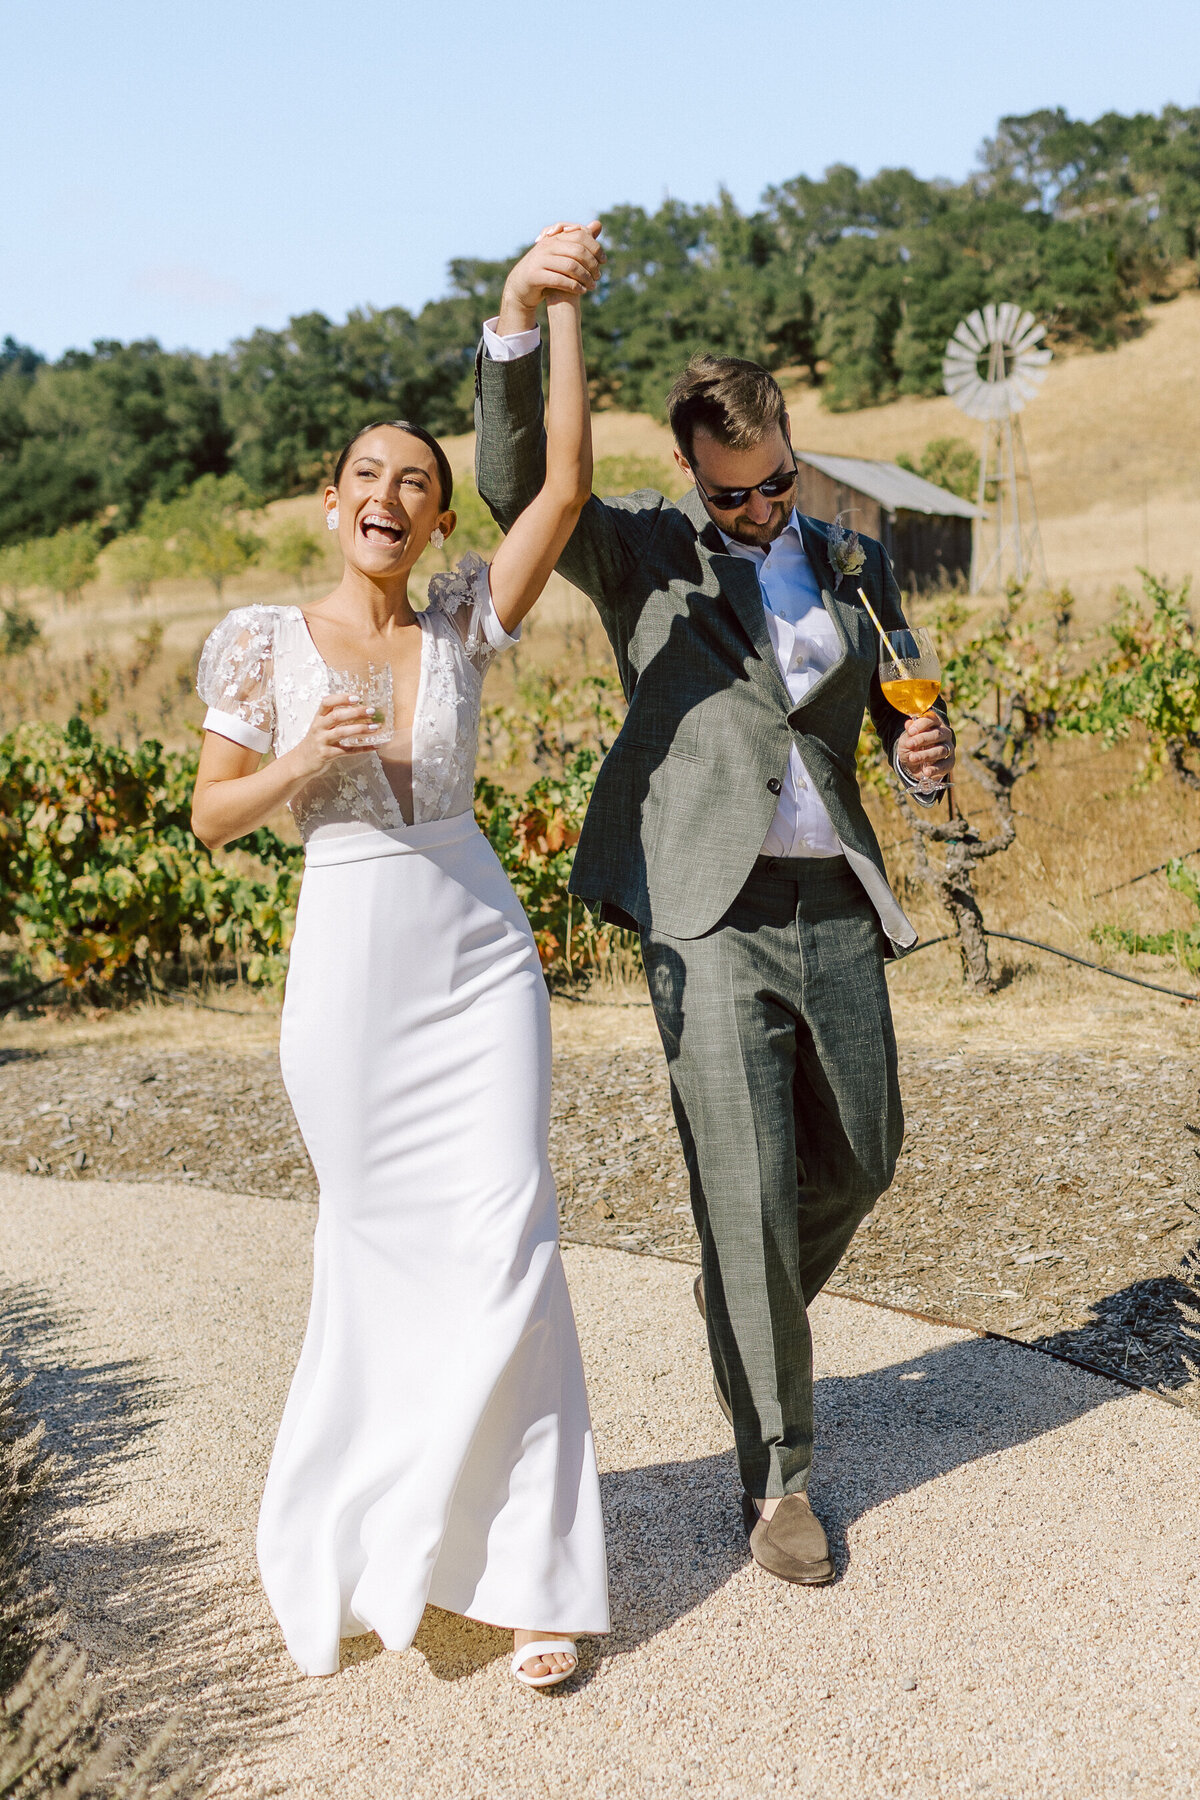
(729, 499)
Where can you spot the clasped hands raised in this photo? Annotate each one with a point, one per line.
(564, 263)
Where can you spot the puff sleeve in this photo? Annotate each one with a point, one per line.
(464, 595)
(236, 678)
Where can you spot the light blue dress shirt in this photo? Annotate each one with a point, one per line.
(806, 644)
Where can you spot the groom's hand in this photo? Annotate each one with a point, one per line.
(926, 747)
(565, 260)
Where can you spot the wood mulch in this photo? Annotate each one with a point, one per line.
(1048, 1196)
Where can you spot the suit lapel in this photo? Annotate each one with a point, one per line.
(841, 601)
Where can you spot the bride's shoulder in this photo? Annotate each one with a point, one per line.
(248, 625)
(242, 642)
(463, 585)
(255, 619)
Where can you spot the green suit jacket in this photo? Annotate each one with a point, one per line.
(687, 793)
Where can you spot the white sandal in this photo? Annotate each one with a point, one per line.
(545, 1647)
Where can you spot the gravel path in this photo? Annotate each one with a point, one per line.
(1017, 1611)
(1048, 1196)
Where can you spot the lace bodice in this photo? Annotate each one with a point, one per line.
(262, 678)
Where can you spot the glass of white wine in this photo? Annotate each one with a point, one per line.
(911, 678)
(370, 686)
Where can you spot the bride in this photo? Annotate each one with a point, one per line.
(435, 1447)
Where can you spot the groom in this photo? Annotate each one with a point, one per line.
(727, 827)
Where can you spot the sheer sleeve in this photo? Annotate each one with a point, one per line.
(465, 596)
(236, 678)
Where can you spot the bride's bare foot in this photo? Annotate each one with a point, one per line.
(546, 1662)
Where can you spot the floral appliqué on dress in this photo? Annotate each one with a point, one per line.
(262, 678)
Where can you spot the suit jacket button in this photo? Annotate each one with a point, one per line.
(776, 787)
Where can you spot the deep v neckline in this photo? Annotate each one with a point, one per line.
(422, 682)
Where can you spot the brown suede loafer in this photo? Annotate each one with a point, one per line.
(791, 1543)
(698, 1290)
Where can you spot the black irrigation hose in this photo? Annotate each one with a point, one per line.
(1032, 944)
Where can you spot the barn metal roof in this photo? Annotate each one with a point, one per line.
(897, 489)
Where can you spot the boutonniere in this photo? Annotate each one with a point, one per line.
(845, 552)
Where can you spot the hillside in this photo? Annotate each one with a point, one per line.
(1113, 438)
(1114, 441)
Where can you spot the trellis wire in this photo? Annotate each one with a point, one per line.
(1146, 873)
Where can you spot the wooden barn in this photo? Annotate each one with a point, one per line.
(925, 529)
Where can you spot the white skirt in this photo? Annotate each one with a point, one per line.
(435, 1446)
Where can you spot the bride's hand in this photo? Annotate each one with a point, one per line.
(566, 259)
(336, 718)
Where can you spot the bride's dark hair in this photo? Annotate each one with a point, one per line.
(445, 474)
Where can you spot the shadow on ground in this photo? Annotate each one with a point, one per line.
(674, 1529)
(1137, 1332)
(162, 1623)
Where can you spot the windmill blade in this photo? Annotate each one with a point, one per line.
(958, 353)
(1025, 385)
(972, 401)
(973, 331)
(1028, 332)
(970, 398)
(989, 322)
(1006, 320)
(1034, 359)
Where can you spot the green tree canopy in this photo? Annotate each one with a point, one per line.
(103, 431)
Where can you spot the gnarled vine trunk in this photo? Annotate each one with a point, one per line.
(952, 876)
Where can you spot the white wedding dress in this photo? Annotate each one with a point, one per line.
(435, 1446)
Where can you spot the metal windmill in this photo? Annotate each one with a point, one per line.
(993, 366)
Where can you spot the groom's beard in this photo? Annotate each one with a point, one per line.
(744, 531)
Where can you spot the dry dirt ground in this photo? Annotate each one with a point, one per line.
(1048, 1187)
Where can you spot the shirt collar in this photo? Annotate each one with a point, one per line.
(753, 551)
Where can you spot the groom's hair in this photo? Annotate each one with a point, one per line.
(737, 402)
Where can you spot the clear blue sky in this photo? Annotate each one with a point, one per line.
(190, 171)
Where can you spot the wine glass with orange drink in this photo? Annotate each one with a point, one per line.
(911, 678)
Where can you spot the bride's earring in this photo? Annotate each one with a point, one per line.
(437, 537)
(331, 518)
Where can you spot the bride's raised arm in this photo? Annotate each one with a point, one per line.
(523, 563)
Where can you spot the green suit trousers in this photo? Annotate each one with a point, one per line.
(778, 1034)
